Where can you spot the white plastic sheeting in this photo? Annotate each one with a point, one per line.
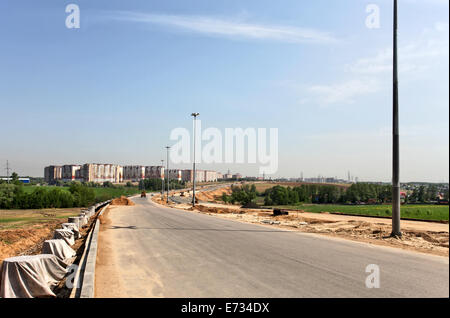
(83, 219)
(76, 220)
(66, 235)
(73, 227)
(31, 276)
(60, 249)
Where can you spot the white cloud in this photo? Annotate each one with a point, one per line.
(228, 28)
(344, 92)
(416, 58)
(427, 51)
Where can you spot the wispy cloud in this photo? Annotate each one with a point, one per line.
(230, 28)
(426, 51)
(344, 92)
(416, 58)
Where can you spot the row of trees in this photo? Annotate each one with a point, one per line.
(424, 194)
(243, 195)
(359, 192)
(13, 196)
(156, 184)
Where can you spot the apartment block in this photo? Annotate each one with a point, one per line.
(71, 173)
(98, 172)
(154, 172)
(52, 173)
(133, 173)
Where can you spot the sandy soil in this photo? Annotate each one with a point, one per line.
(432, 238)
(107, 279)
(212, 195)
(122, 201)
(113, 270)
(27, 240)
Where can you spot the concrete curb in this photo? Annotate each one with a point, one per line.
(88, 284)
(85, 276)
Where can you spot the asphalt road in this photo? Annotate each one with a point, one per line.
(164, 252)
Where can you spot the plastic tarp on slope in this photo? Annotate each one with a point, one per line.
(73, 227)
(75, 220)
(31, 276)
(66, 235)
(60, 249)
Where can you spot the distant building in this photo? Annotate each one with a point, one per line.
(175, 174)
(23, 180)
(237, 176)
(136, 173)
(98, 172)
(52, 173)
(71, 173)
(133, 173)
(154, 172)
(90, 172)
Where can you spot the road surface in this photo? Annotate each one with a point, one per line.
(151, 251)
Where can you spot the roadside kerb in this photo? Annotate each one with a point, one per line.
(85, 276)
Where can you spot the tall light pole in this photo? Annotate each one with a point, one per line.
(163, 177)
(193, 180)
(395, 140)
(168, 174)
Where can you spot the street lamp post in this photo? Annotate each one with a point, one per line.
(168, 174)
(162, 179)
(395, 140)
(193, 179)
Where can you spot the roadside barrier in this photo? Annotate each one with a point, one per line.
(35, 275)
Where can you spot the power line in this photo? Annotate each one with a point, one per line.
(7, 170)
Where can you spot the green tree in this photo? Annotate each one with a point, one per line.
(7, 195)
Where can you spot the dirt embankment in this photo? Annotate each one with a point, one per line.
(213, 195)
(122, 201)
(368, 230)
(27, 240)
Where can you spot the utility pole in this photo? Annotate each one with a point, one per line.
(162, 179)
(7, 171)
(168, 174)
(395, 139)
(193, 179)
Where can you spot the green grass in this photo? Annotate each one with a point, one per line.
(10, 219)
(422, 212)
(103, 194)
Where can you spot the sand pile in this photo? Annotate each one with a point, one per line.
(122, 201)
(206, 209)
(213, 195)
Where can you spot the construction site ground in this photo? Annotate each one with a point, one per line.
(22, 232)
(419, 236)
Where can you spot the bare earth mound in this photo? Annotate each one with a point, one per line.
(122, 201)
(212, 195)
(25, 241)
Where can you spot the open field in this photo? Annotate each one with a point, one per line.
(423, 212)
(22, 232)
(10, 219)
(103, 194)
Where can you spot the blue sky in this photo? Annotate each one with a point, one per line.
(113, 90)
